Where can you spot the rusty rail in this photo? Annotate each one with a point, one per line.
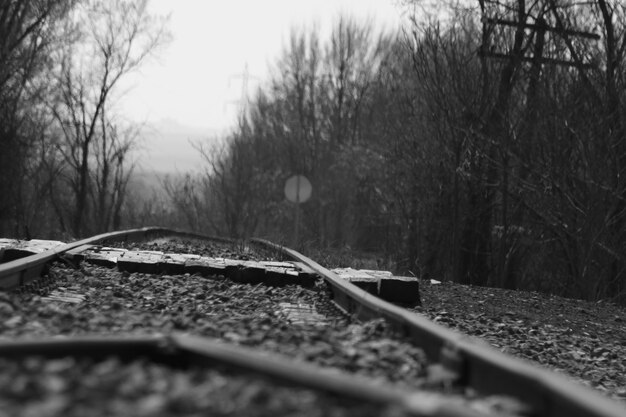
(467, 360)
(22, 271)
(182, 350)
(470, 361)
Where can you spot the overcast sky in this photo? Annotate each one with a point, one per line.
(197, 80)
(198, 77)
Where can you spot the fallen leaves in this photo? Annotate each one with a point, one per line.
(580, 339)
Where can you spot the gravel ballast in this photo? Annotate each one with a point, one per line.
(207, 248)
(583, 340)
(35, 386)
(256, 316)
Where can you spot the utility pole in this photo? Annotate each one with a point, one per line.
(244, 98)
(534, 35)
(538, 24)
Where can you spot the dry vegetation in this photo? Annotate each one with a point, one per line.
(583, 340)
(487, 147)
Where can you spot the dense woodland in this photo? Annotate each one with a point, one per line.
(484, 142)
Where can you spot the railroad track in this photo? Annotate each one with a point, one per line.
(320, 324)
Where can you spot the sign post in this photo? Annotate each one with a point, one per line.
(298, 190)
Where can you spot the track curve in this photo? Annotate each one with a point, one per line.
(467, 360)
(460, 360)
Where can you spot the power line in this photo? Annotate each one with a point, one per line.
(578, 33)
(244, 99)
(540, 27)
(540, 60)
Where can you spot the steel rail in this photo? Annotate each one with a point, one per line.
(24, 270)
(474, 363)
(185, 350)
(182, 350)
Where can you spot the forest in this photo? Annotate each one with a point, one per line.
(482, 143)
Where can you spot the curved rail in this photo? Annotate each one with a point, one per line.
(22, 271)
(468, 361)
(472, 362)
(182, 350)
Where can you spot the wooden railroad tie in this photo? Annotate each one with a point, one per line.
(383, 284)
(155, 262)
(12, 249)
(379, 283)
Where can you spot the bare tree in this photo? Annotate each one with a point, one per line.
(105, 42)
(111, 173)
(351, 61)
(26, 37)
(535, 103)
(185, 195)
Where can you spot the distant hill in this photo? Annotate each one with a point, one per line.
(145, 186)
(165, 146)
